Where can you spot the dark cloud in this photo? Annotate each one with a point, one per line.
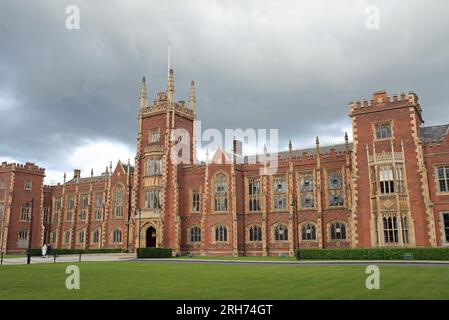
(292, 65)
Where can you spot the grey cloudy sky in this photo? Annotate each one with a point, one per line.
(69, 98)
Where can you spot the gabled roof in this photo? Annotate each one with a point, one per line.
(434, 133)
(131, 168)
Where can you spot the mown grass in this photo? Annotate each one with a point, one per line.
(153, 280)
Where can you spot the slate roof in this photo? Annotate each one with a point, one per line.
(125, 166)
(298, 152)
(434, 133)
(87, 179)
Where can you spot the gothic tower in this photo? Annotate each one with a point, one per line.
(165, 141)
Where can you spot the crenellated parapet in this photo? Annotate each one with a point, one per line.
(160, 105)
(381, 102)
(28, 167)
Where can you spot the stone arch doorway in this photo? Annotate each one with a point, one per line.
(150, 237)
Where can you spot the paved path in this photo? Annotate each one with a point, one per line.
(300, 263)
(72, 258)
(132, 257)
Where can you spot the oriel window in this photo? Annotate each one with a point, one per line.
(254, 194)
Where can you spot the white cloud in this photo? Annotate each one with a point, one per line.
(94, 155)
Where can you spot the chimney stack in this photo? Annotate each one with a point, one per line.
(76, 174)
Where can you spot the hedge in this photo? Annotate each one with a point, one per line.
(374, 254)
(38, 252)
(154, 253)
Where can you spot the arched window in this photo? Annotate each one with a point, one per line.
(195, 234)
(221, 233)
(308, 231)
(338, 231)
(255, 233)
(117, 236)
(81, 236)
(221, 192)
(119, 195)
(335, 188)
(67, 236)
(281, 232)
(96, 236)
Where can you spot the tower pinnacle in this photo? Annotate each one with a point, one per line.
(192, 96)
(143, 95)
(170, 87)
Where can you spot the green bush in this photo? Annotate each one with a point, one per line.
(374, 254)
(38, 252)
(154, 253)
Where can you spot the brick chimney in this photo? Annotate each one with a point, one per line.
(76, 174)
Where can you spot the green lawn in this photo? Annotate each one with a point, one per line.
(143, 280)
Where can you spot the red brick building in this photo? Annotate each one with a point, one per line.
(389, 187)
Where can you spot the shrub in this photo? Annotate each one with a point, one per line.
(38, 252)
(374, 254)
(154, 253)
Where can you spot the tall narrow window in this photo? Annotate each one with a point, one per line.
(195, 234)
(280, 193)
(390, 230)
(2, 209)
(221, 192)
(149, 167)
(84, 206)
(53, 237)
(81, 236)
(96, 236)
(46, 214)
(119, 196)
(70, 207)
(25, 213)
(446, 226)
(57, 204)
(255, 233)
(67, 236)
(23, 234)
(254, 194)
(2, 183)
(400, 188)
(386, 179)
(221, 233)
(373, 180)
(338, 231)
(308, 231)
(404, 224)
(154, 135)
(195, 200)
(152, 198)
(98, 206)
(383, 130)
(281, 232)
(306, 190)
(443, 178)
(117, 236)
(335, 188)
